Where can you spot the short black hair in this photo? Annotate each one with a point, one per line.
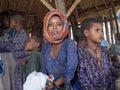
(88, 23)
(38, 39)
(78, 35)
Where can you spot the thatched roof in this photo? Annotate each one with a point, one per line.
(85, 8)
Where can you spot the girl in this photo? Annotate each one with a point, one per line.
(94, 68)
(59, 52)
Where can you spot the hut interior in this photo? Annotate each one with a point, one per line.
(76, 11)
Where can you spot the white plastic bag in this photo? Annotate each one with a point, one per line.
(35, 81)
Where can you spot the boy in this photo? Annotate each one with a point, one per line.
(33, 45)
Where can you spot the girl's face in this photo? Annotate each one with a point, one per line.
(95, 34)
(55, 26)
(12, 23)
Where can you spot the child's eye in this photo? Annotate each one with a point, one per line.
(97, 30)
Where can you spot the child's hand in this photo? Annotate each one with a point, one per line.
(22, 62)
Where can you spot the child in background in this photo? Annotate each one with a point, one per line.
(115, 56)
(16, 44)
(79, 37)
(95, 67)
(80, 40)
(115, 48)
(33, 45)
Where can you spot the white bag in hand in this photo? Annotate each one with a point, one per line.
(35, 81)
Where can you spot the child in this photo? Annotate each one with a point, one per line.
(33, 45)
(115, 48)
(80, 40)
(79, 37)
(115, 56)
(94, 68)
(16, 45)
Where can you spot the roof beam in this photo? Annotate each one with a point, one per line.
(72, 8)
(47, 5)
(60, 4)
(101, 7)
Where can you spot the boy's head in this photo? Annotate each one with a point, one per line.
(118, 36)
(33, 43)
(78, 36)
(77, 33)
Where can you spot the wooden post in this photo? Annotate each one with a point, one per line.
(47, 5)
(72, 7)
(112, 30)
(115, 17)
(30, 5)
(106, 28)
(60, 4)
(112, 26)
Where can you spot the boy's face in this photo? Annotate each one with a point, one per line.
(30, 44)
(118, 36)
(95, 34)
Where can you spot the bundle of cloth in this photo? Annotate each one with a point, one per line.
(35, 81)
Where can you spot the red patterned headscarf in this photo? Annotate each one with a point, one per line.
(62, 34)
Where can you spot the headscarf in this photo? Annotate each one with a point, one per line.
(62, 34)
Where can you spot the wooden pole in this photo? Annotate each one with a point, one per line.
(115, 17)
(106, 28)
(30, 5)
(47, 5)
(112, 25)
(72, 8)
(60, 4)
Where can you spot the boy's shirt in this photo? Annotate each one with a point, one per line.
(34, 63)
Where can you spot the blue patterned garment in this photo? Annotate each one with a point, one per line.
(16, 45)
(91, 76)
(64, 65)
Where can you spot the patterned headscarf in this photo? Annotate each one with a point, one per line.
(62, 34)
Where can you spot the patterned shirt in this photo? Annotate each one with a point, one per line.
(91, 76)
(16, 45)
(64, 65)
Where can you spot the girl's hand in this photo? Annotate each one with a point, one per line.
(59, 81)
(49, 86)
